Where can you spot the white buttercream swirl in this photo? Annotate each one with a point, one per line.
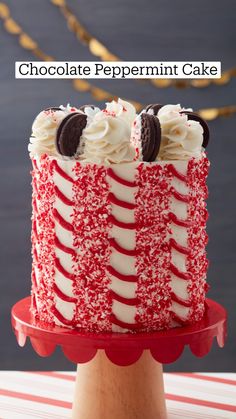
(122, 109)
(44, 130)
(68, 108)
(106, 140)
(90, 112)
(181, 138)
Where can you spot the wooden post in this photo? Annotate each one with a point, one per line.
(104, 390)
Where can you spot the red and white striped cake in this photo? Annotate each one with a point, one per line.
(119, 217)
(120, 247)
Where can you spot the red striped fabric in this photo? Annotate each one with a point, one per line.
(35, 398)
(212, 378)
(207, 403)
(48, 394)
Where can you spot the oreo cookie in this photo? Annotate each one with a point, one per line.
(82, 108)
(53, 108)
(155, 107)
(206, 133)
(150, 136)
(69, 133)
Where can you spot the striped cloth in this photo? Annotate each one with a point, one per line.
(49, 395)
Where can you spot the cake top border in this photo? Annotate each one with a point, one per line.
(116, 134)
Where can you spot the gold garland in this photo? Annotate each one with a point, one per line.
(99, 50)
(26, 42)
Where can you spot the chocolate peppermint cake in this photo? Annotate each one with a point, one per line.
(119, 217)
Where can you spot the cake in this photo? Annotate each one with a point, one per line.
(119, 217)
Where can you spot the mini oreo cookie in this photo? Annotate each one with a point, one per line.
(195, 117)
(150, 136)
(155, 107)
(69, 133)
(53, 108)
(82, 108)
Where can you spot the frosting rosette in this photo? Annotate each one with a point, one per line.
(106, 140)
(122, 109)
(44, 130)
(181, 138)
(90, 112)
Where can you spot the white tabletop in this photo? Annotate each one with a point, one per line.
(49, 395)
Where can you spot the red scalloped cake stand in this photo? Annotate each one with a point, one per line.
(103, 388)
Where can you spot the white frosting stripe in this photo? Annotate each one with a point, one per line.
(61, 294)
(122, 288)
(125, 238)
(122, 263)
(62, 282)
(122, 250)
(64, 274)
(64, 236)
(179, 243)
(62, 197)
(124, 312)
(122, 240)
(128, 301)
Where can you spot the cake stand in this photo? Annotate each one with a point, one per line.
(104, 388)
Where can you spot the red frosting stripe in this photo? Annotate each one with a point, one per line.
(124, 300)
(178, 247)
(178, 273)
(63, 270)
(62, 197)
(33, 278)
(178, 221)
(127, 278)
(63, 296)
(36, 255)
(34, 228)
(34, 184)
(34, 205)
(61, 221)
(61, 172)
(121, 224)
(179, 300)
(34, 163)
(177, 174)
(180, 197)
(64, 248)
(120, 249)
(61, 318)
(124, 325)
(119, 202)
(120, 180)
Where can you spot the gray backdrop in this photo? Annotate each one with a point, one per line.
(134, 30)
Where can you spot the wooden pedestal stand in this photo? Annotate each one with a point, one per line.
(104, 390)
